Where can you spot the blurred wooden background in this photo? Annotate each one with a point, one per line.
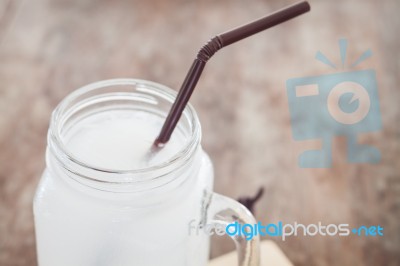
(48, 48)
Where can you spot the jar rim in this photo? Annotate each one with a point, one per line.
(95, 173)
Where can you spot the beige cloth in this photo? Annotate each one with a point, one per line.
(270, 255)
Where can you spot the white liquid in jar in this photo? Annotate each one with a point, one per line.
(121, 140)
(79, 225)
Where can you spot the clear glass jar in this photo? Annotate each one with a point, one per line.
(92, 216)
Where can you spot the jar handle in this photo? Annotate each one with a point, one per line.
(221, 211)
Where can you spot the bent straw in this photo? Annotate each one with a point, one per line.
(209, 50)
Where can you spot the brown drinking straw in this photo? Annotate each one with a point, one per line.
(209, 50)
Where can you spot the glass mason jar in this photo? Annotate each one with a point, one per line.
(86, 215)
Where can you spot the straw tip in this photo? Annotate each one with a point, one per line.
(306, 5)
(157, 144)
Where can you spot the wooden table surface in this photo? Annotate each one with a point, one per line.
(270, 254)
(48, 48)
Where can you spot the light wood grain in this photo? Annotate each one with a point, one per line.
(270, 255)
